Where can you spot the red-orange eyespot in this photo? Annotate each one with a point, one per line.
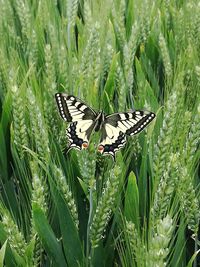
(101, 148)
(85, 145)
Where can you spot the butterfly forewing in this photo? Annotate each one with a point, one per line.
(81, 117)
(73, 109)
(130, 123)
(118, 125)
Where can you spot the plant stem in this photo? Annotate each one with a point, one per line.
(195, 250)
(88, 225)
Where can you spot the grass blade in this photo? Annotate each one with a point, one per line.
(47, 236)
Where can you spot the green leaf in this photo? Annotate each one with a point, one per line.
(11, 257)
(178, 258)
(129, 17)
(107, 100)
(29, 253)
(98, 258)
(147, 95)
(71, 242)
(20, 261)
(4, 135)
(84, 187)
(110, 82)
(142, 181)
(131, 208)
(46, 234)
(190, 263)
(2, 253)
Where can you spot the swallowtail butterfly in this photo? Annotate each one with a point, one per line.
(114, 127)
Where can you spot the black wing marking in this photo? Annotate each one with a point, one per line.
(73, 109)
(82, 120)
(118, 125)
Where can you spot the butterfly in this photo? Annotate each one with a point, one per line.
(114, 127)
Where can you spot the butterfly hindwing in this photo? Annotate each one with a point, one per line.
(112, 140)
(81, 117)
(118, 125)
(79, 132)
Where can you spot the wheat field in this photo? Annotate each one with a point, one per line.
(80, 208)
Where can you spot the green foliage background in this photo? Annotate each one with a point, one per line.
(82, 209)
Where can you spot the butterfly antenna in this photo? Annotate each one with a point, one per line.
(101, 101)
(62, 85)
(132, 102)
